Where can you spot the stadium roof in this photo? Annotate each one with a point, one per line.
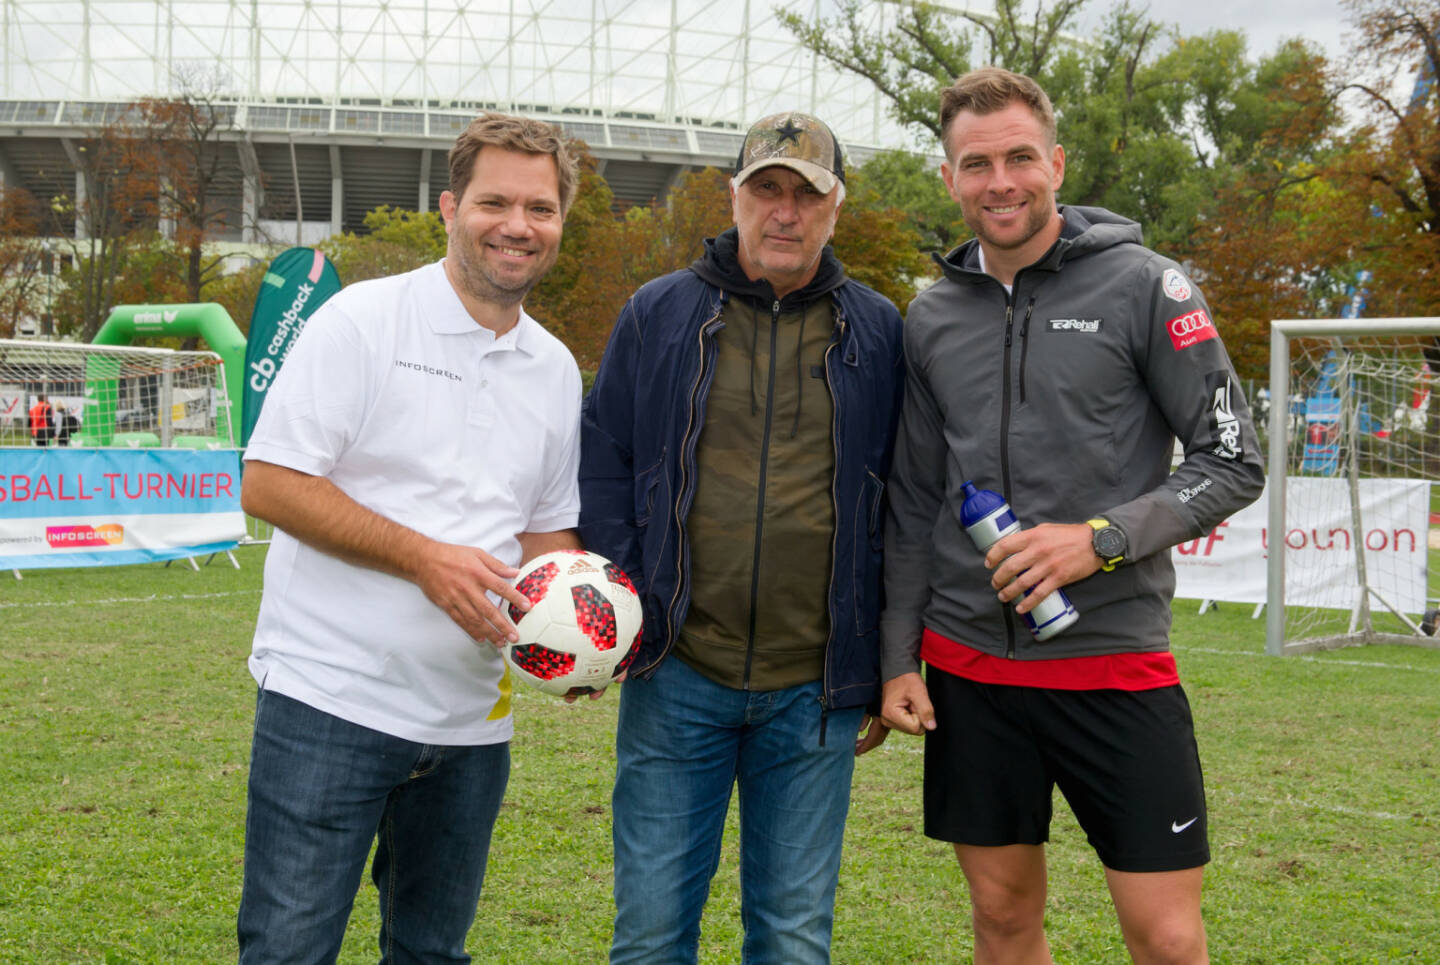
(336, 108)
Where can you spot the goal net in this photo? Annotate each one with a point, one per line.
(109, 396)
(1354, 445)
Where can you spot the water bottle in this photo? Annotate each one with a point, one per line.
(987, 517)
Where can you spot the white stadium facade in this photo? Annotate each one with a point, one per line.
(332, 109)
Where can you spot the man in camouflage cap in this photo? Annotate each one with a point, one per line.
(733, 452)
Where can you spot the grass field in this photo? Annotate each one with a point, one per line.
(125, 709)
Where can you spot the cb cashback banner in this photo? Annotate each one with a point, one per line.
(298, 282)
(1229, 563)
(93, 507)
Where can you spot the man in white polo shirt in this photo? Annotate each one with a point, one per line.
(420, 442)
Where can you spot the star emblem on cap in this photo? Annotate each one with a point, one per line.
(789, 132)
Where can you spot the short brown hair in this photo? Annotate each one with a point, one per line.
(991, 89)
(523, 134)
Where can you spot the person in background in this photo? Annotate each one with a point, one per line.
(42, 426)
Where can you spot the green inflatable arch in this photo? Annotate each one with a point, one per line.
(207, 320)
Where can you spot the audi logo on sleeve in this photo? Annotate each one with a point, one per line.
(1190, 328)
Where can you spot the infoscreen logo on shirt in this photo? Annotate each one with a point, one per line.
(64, 537)
(427, 369)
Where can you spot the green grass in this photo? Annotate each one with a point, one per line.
(125, 709)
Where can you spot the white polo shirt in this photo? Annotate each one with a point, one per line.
(399, 398)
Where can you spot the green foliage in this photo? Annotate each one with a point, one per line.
(1151, 122)
(127, 706)
(879, 245)
(911, 183)
(238, 292)
(360, 257)
(422, 233)
(147, 270)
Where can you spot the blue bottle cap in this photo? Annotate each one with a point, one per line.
(978, 503)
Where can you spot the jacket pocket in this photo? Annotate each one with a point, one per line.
(874, 497)
(868, 542)
(647, 485)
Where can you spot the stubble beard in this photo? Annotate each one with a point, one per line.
(1035, 223)
(480, 283)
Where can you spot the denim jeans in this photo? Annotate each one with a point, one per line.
(683, 742)
(321, 789)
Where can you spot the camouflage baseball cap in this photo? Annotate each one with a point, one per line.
(796, 141)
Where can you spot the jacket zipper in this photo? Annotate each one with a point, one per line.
(1005, 449)
(824, 697)
(1025, 344)
(760, 494)
(681, 507)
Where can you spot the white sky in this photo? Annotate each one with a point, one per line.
(1265, 22)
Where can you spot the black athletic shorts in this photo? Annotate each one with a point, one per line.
(1125, 760)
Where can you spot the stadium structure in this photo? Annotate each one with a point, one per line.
(331, 109)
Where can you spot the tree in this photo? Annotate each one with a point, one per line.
(580, 297)
(22, 257)
(1151, 122)
(911, 183)
(878, 245)
(422, 233)
(1289, 239)
(1397, 155)
(173, 146)
(103, 213)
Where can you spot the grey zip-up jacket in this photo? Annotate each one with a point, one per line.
(1066, 397)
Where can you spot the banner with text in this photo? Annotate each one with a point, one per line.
(298, 281)
(1229, 563)
(93, 507)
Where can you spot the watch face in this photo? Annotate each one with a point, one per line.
(1109, 543)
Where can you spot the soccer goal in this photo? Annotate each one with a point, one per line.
(1354, 446)
(115, 396)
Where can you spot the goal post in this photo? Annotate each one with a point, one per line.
(115, 396)
(1353, 449)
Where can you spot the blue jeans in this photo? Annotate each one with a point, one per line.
(321, 789)
(683, 742)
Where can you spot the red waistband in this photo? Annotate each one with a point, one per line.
(1111, 671)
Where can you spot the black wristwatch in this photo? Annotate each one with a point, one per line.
(1109, 542)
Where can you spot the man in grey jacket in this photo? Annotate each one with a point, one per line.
(1055, 362)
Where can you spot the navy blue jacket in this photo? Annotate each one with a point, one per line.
(642, 420)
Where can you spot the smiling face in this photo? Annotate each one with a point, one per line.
(505, 230)
(783, 223)
(1004, 171)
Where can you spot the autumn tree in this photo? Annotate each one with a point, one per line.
(1152, 122)
(579, 298)
(910, 182)
(97, 222)
(878, 245)
(1290, 238)
(1396, 155)
(22, 257)
(173, 146)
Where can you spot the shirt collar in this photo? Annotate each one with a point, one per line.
(447, 316)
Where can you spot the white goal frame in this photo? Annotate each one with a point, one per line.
(1279, 428)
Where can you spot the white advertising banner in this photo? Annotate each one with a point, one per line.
(1229, 564)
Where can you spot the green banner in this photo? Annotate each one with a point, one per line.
(297, 282)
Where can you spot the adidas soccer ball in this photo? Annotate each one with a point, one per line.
(583, 626)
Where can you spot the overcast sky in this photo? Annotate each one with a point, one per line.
(1265, 22)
